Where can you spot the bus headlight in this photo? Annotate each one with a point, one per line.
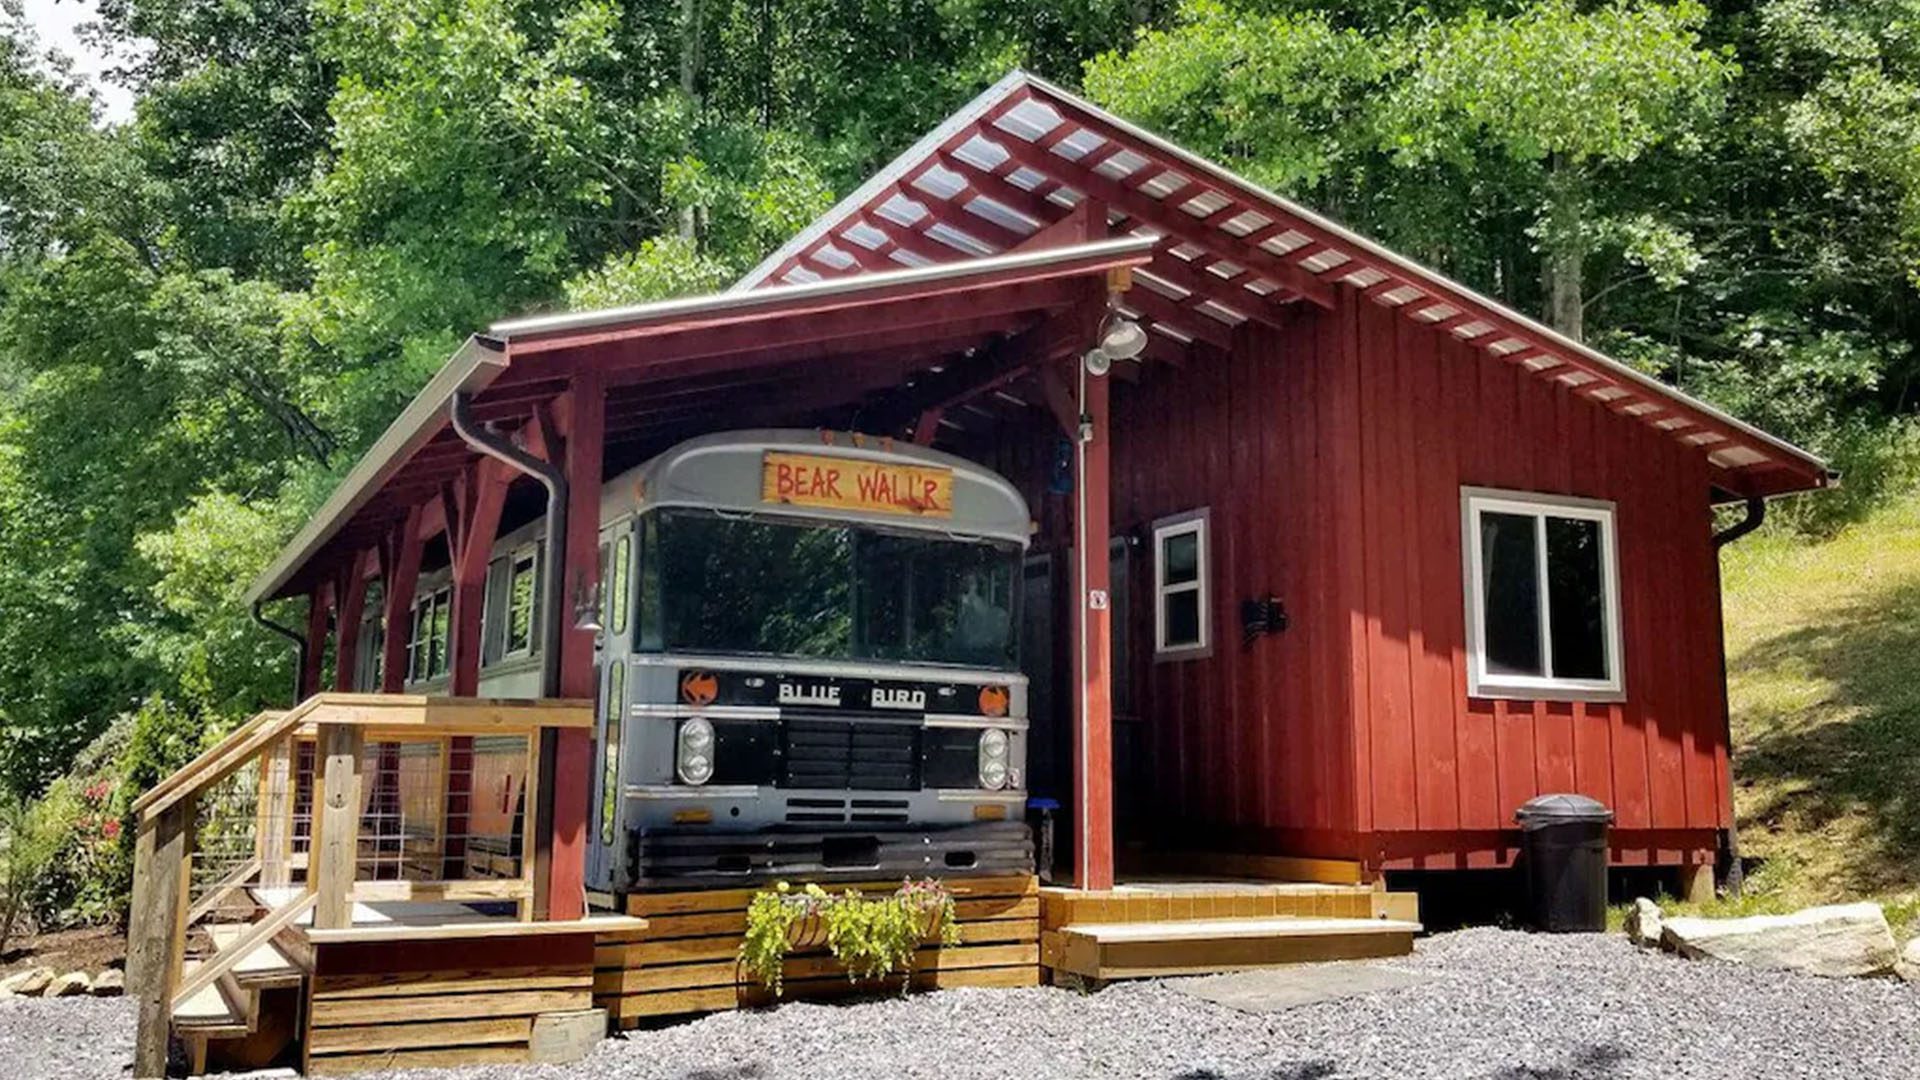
(993, 759)
(695, 751)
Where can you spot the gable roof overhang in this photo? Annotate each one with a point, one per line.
(1025, 155)
(896, 342)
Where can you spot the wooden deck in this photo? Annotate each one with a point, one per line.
(685, 961)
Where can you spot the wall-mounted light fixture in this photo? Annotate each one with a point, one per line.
(1261, 615)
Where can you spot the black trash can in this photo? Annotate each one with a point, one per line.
(1564, 850)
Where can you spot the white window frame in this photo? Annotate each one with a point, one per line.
(1196, 523)
(1482, 683)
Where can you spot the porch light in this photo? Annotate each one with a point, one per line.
(1122, 338)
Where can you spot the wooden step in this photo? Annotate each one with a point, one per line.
(264, 967)
(1136, 950)
(221, 1011)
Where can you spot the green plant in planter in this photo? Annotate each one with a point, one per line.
(872, 937)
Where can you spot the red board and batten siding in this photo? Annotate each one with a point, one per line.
(1437, 415)
(1331, 455)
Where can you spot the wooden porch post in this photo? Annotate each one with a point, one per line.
(403, 575)
(336, 825)
(156, 937)
(1093, 735)
(485, 497)
(351, 594)
(319, 604)
(568, 762)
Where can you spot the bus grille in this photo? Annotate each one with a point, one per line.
(837, 755)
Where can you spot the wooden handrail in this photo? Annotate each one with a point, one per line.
(222, 761)
(222, 889)
(223, 960)
(186, 772)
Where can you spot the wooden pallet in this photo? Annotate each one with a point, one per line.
(684, 962)
(431, 1003)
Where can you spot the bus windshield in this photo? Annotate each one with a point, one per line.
(826, 591)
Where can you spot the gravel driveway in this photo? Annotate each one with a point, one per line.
(1494, 1004)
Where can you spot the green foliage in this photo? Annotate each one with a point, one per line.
(872, 937)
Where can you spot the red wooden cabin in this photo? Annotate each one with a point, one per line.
(1383, 559)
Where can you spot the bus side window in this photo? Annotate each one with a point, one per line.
(652, 632)
(620, 588)
(610, 744)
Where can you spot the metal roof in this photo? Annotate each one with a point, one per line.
(1026, 153)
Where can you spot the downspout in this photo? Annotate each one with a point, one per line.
(487, 442)
(1756, 515)
(299, 645)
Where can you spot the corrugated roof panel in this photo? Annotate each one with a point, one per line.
(1001, 214)
(1326, 260)
(1281, 243)
(942, 181)
(836, 258)
(958, 240)
(1029, 120)
(1474, 329)
(1405, 294)
(1262, 287)
(1078, 145)
(1222, 313)
(1163, 183)
(981, 153)
(1121, 165)
(1225, 269)
(1064, 196)
(1245, 222)
(1172, 333)
(1026, 179)
(1206, 204)
(901, 210)
(865, 235)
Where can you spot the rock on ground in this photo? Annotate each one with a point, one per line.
(1909, 966)
(1644, 923)
(29, 983)
(110, 983)
(72, 984)
(1839, 940)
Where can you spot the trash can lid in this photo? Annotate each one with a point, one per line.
(1555, 809)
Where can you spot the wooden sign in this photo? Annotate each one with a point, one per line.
(848, 484)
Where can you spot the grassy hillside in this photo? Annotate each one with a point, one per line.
(1823, 656)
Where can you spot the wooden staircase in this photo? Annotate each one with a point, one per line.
(248, 1015)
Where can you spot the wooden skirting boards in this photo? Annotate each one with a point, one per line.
(439, 1003)
(1204, 946)
(685, 960)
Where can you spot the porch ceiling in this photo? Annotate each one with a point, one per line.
(1026, 156)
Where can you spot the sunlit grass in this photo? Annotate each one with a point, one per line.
(1823, 659)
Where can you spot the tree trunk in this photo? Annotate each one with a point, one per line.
(691, 64)
(1564, 249)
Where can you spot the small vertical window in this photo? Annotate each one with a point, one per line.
(427, 651)
(611, 726)
(1181, 603)
(521, 576)
(619, 583)
(1542, 593)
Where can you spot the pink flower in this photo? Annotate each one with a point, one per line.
(110, 828)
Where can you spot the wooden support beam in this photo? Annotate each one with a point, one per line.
(566, 756)
(1091, 637)
(351, 591)
(403, 577)
(273, 830)
(336, 824)
(319, 608)
(481, 523)
(156, 934)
